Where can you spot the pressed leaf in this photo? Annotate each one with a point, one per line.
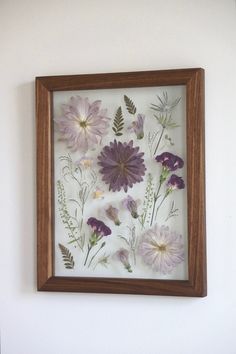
(118, 123)
(67, 257)
(130, 105)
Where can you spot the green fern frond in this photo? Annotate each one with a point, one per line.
(130, 105)
(67, 257)
(118, 123)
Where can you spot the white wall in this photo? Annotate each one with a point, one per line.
(50, 37)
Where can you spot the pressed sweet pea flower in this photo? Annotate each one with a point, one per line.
(170, 161)
(132, 205)
(122, 165)
(112, 214)
(82, 124)
(175, 182)
(123, 256)
(161, 249)
(137, 126)
(99, 231)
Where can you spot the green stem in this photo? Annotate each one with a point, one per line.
(155, 200)
(159, 140)
(102, 245)
(160, 204)
(89, 249)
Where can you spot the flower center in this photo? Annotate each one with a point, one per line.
(83, 124)
(161, 248)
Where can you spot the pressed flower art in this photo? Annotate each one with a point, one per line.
(120, 176)
(82, 123)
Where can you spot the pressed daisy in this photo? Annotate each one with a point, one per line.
(82, 124)
(122, 165)
(161, 249)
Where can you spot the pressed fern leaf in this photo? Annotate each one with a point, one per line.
(67, 257)
(118, 123)
(130, 105)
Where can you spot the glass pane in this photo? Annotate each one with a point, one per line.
(120, 183)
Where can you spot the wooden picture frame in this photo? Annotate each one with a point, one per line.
(46, 87)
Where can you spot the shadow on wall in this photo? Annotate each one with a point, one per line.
(25, 106)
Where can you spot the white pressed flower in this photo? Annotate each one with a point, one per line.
(161, 249)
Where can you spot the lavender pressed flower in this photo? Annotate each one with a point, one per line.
(132, 205)
(137, 126)
(122, 165)
(82, 124)
(112, 214)
(161, 249)
(123, 256)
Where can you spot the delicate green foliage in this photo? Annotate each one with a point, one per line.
(130, 105)
(165, 106)
(148, 201)
(118, 123)
(173, 211)
(163, 115)
(67, 257)
(71, 223)
(168, 139)
(103, 261)
(165, 121)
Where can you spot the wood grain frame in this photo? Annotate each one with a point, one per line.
(193, 79)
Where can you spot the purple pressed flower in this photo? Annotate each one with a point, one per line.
(130, 204)
(123, 256)
(98, 227)
(112, 214)
(161, 249)
(82, 124)
(169, 161)
(122, 165)
(137, 126)
(175, 182)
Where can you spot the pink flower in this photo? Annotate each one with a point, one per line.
(82, 124)
(161, 249)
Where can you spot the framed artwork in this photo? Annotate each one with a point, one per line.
(120, 183)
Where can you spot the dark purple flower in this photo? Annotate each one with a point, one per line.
(169, 161)
(175, 182)
(122, 165)
(99, 228)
